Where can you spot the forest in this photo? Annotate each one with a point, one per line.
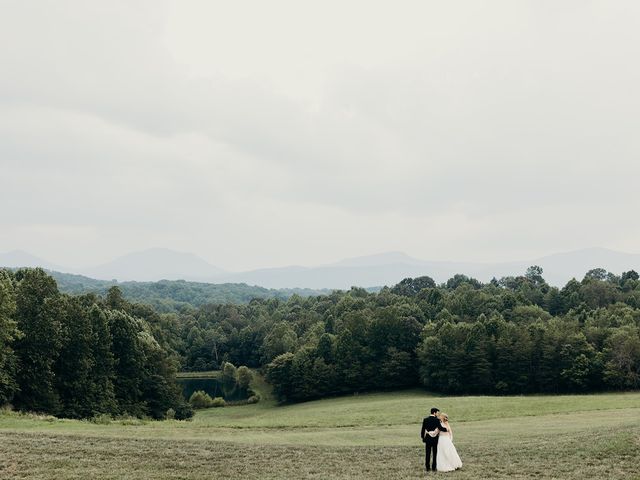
(82, 356)
(174, 295)
(77, 355)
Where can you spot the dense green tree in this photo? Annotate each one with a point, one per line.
(597, 274)
(38, 315)
(598, 293)
(410, 287)
(159, 389)
(278, 374)
(115, 300)
(129, 364)
(477, 372)
(326, 348)
(622, 358)
(77, 357)
(578, 361)
(74, 367)
(527, 314)
(229, 373)
(9, 333)
(281, 339)
(244, 377)
(460, 279)
(534, 275)
(513, 335)
(102, 395)
(349, 358)
(630, 275)
(397, 369)
(513, 349)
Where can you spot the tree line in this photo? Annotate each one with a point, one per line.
(509, 336)
(175, 295)
(82, 356)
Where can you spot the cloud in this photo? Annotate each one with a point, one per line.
(260, 134)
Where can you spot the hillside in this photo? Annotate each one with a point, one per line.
(167, 295)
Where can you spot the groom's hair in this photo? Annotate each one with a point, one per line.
(434, 410)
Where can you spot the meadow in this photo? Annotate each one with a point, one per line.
(362, 436)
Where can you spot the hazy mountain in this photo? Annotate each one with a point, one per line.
(19, 258)
(155, 264)
(366, 271)
(387, 258)
(345, 274)
(561, 267)
(389, 268)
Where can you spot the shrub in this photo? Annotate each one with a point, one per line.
(253, 399)
(131, 420)
(243, 377)
(171, 414)
(184, 411)
(101, 419)
(228, 373)
(200, 399)
(218, 402)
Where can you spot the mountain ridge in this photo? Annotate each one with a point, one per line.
(155, 264)
(386, 268)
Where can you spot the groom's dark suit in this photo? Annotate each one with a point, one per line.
(429, 424)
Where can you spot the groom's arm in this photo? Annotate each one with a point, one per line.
(423, 429)
(441, 428)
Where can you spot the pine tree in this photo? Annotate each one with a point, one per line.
(38, 312)
(102, 395)
(129, 363)
(8, 334)
(75, 363)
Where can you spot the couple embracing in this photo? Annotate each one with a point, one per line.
(438, 439)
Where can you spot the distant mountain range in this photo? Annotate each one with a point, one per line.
(390, 268)
(155, 264)
(366, 271)
(19, 258)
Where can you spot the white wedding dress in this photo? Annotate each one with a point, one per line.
(447, 459)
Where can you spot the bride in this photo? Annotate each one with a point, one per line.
(447, 459)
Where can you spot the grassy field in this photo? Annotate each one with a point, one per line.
(366, 436)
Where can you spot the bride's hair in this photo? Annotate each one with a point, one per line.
(444, 417)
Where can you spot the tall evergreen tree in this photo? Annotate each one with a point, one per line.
(477, 374)
(38, 314)
(75, 362)
(129, 363)
(102, 395)
(9, 333)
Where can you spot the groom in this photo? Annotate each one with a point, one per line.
(429, 433)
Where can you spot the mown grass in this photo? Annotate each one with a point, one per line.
(365, 436)
(409, 407)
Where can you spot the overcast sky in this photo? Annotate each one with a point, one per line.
(290, 132)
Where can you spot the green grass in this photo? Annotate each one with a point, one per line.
(364, 436)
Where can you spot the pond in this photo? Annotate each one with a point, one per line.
(214, 387)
